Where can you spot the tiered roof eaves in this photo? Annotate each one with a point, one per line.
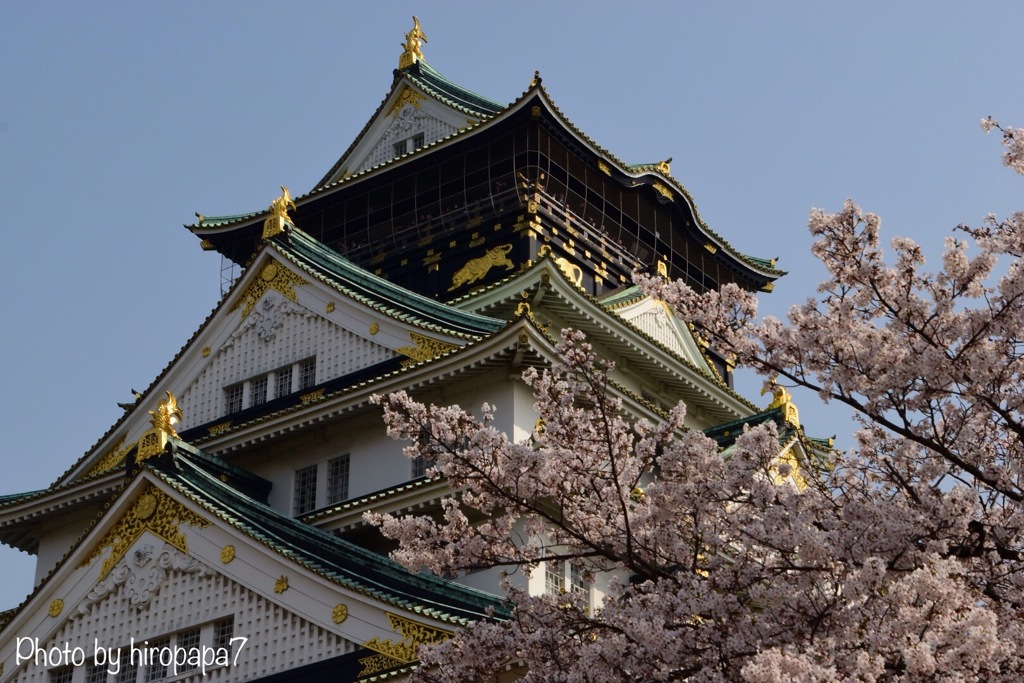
(339, 402)
(764, 266)
(313, 549)
(627, 169)
(389, 299)
(582, 296)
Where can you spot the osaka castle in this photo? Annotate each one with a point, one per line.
(215, 531)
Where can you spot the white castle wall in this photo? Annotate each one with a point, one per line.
(277, 639)
(275, 334)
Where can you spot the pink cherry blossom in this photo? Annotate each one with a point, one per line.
(901, 559)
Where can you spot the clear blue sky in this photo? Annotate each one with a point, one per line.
(119, 120)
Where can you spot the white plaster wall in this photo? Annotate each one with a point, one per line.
(275, 334)
(278, 639)
(407, 123)
(375, 461)
(58, 536)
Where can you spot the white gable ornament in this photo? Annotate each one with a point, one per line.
(142, 575)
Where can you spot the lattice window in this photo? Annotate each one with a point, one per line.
(409, 145)
(307, 373)
(419, 467)
(188, 640)
(305, 489)
(554, 577)
(259, 390)
(96, 673)
(233, 396)
(283, 382)
(223, 630)
(154, 669)
(576, 582)
(337, 479)
(129, 671)
(62, 674)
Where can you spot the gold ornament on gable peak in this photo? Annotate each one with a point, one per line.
(407, 96)
(273, 277)
(152, 511)
(412, 50)
(279, 220)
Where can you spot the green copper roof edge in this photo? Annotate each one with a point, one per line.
(89, 527)
(12, 498)
(257, 534)
(28, 496)
(457, 94)
(504, 282)
(622, 297)
(463, 321)
(373, 497)
(222, 221)
(362, 558)
(753, 419)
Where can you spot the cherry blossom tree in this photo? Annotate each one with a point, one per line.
(901, 561)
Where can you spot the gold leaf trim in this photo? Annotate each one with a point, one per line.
(424, 348)
(413, 635)
(152, 511)
(113, 457)
(340, 613)
(218, 429)
(312, 397)
(377, 663)
(407, 96)
(273, 276)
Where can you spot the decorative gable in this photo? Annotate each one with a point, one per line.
(653, 318)
(409, 120)
(158, 601)
(263, 358)
(411, 128)
(180, 563)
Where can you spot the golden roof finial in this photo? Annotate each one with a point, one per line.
(163, 419)
(166, 415)
(278, 218)
(782, 399)
(414, 39)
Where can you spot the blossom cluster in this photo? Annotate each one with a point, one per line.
(900, 562)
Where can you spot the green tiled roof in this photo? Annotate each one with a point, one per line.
(323, 553)
(622, 295)
(15, 497)
(726, 433)
(427, 78)
(379, 293)
(218, 221)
